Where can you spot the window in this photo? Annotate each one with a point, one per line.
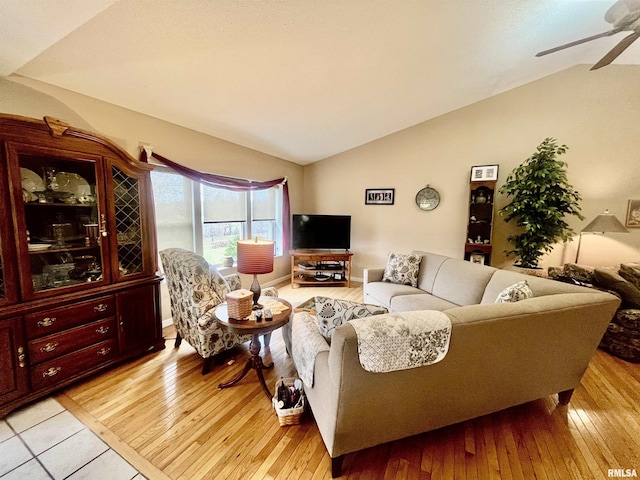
(210, 220)
(174, 209)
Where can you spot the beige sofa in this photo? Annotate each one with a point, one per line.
(500, 355)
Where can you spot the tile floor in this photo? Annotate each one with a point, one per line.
(43, 441)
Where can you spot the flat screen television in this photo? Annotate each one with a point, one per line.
(321, 232)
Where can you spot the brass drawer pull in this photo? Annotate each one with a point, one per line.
(49, 347)
(102, 307)
(21, 357)
(52, 372)
(102, 330)
(103, 351)
(46, 322)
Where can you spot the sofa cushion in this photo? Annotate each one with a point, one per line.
(514, 293)
(333, 312)
(429, 266)
(402, 269)
(424, 301)
(540, 287)
(581, 273)
(462, 282)
(630, 294)
(382, 293)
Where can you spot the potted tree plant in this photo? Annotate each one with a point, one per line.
(541, 197)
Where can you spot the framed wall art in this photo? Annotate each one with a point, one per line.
(633, 214)
(379, 196)
(484, 173)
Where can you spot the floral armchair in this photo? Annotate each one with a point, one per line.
(195, 289)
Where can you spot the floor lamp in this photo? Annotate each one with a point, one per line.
(604, 223)
(255, 257)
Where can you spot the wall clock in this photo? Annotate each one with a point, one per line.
(428, 198)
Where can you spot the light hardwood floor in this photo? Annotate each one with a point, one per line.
(169, 421)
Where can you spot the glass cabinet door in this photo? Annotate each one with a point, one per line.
(58, 220)
(129, 223)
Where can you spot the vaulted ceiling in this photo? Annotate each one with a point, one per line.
(298, 79)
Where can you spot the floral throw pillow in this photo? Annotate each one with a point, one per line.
(332, 312)
(402, 269)
(515, 293)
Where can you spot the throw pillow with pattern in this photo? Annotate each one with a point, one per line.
(332, 312)
(515, 293)
(631, 273)
(611, 280)
(402, 269)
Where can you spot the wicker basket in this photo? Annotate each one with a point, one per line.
(240, 303)
(288, 416)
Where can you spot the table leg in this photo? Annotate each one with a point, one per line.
(255, 362)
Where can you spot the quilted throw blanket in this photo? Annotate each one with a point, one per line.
(394, 341)
(398, 341)
(307, 344)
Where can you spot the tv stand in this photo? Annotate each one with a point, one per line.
(320, 267)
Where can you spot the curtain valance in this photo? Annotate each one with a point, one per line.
(234, 184)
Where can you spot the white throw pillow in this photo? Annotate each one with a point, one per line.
(515, 293)
(402, 269)
(332, 312)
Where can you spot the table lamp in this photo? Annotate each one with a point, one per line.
(255, 257)
(605, 222)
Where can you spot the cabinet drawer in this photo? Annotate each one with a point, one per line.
(51, 346)
(58, 319)
(59, 369)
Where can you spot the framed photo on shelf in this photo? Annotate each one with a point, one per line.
(477, 258)
(484, 173)
(379, 196)
(632, 219)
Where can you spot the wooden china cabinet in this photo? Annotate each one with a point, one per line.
(79, 289)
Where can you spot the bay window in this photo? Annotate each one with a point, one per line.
(210, 220)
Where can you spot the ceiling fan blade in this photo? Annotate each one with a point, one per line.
(578, 42)
(617, 50)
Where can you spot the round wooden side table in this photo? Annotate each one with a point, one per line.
(255, 329)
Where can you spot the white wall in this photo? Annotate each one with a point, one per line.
(595, 113)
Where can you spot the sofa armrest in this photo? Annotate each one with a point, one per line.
(372, 275)
(207, 323)
(269, 292)
(233, 279)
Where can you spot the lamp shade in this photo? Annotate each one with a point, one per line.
(255, 256)
(605, 222)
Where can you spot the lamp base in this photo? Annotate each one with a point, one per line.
(256, 290)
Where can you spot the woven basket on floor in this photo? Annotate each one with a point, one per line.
(288, 416)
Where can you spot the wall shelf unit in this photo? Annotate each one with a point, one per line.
(478, 245)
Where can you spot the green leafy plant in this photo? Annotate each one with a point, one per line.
(541, 197)
(231, 249)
